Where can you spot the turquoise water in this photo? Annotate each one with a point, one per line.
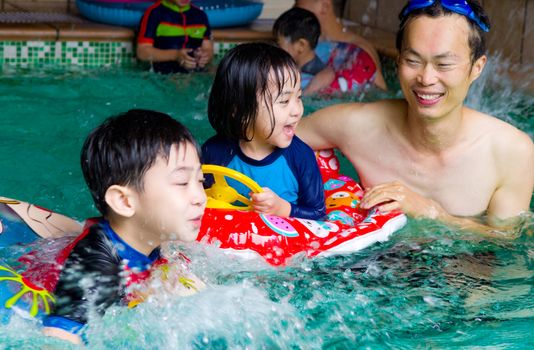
(427, 287)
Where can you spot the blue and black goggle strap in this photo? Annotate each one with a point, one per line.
(460, 7)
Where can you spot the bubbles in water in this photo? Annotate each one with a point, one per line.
(428, 281)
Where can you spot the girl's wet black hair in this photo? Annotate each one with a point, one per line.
(243, 78)
(297, 23)
(125, 146)
(477, 37)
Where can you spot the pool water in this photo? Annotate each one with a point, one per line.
(428, 287)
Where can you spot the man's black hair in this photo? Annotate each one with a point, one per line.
(297, 23)
(477, 37)
(125, 146)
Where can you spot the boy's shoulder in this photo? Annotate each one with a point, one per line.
(313, 66)
(218, 147)
(103, 248)
(93, 245)
(93, 267)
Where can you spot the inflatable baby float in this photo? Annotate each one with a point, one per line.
(347, 227)
(22, 224)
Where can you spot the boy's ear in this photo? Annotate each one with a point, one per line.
(302, 45)
(122, 200)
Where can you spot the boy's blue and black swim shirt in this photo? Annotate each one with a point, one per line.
(95, 276)
(168, 26)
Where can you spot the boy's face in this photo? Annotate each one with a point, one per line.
(173, 199)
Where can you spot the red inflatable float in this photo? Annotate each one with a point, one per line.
(348, 228)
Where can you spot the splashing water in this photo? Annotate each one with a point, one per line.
(496, 94)
(429, 286)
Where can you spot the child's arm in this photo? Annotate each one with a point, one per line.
(268, 202)
(204, 53)
(321, 80)
(310, 201)
(62, 334)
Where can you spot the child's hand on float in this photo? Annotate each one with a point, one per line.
(268, 202)
(186, 60)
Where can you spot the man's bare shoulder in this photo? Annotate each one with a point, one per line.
(384, 112)
(333, 126)
(379, 110)
(507, 141)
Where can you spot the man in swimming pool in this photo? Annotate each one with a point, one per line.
(428, 154)
(143, 170)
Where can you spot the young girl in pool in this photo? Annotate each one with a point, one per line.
(254, 106)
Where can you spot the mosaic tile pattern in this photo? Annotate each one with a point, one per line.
(65, 53)
(27, 54)
(220, 49)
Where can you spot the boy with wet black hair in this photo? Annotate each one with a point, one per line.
(335, 36)
(347, 67)
(297, 31)
(143, 170)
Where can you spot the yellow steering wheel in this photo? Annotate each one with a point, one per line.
(221, 195)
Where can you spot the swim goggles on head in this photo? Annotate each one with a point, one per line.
(460, 7)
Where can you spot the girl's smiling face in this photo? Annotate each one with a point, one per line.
(279, 113)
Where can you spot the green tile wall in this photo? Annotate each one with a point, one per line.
(221, 48)
(65, 53)
(29, 54)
